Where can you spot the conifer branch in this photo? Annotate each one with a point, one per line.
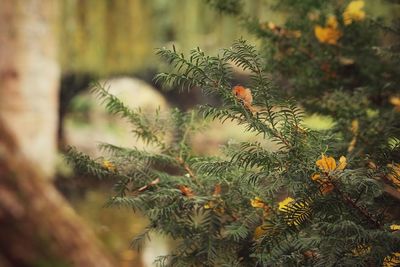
(187, 169)
(361, 210)
(219, 227)
(143, 128)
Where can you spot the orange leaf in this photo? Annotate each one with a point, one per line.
(186, 191)
(326, 164)
(217, 190)
(329, 34)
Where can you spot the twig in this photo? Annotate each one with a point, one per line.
(145, 187)
(187, 169)
(363, 211)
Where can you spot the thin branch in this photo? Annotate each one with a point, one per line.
(187, 169)
(361, 210)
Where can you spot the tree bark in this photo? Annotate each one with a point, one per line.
(29, 77)
(37, 226)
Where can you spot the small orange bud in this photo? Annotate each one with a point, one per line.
(243, 94)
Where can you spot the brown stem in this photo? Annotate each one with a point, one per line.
(145, 187)
(187, 169)
(363, 211)
(390, 190)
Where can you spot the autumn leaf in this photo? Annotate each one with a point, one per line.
(329, 34)
(109, 165)
(395, 101)
(186, 191)
(328, 164)
(257, 203)
(283, 205)
(392, 260)
(395, 227)
(353, 12)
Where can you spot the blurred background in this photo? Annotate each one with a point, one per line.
(50, 53)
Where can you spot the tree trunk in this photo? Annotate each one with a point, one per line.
(29, 77)
(37, 226)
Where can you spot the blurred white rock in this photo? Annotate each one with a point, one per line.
(98, 126)
(158, 246)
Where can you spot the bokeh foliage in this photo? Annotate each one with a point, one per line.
(108, 37)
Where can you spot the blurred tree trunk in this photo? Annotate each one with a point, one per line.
(29, 77)
(37, 226)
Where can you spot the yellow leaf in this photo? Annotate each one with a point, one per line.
(320, 33)
(361, 250)
(395, 101)
(342, 163)
(354, 12)
(315, 177)
(326, 164)
(395, 227)
(284, 203)
(257, 203)
(329, 34)
(109, 165)
(332, 22)
(326, 35)
(392, 260)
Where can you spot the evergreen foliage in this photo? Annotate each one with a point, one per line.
(344, 61)
(320, 199)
